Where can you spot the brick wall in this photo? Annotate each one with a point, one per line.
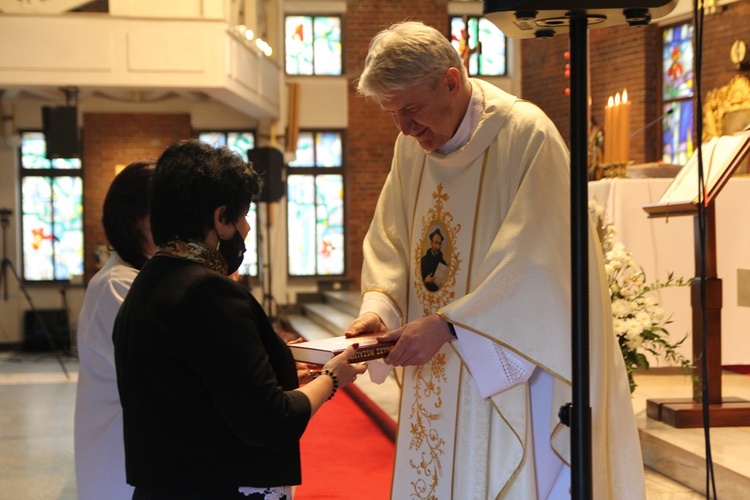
(623, 57)
(118, 139)
(371, 131)
(721, 29)
(619, 58)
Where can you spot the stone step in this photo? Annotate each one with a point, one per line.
(680, 454)
(307, 327)
(329, 317)
(347, 301)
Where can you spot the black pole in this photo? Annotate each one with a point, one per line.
(580, 417)
(268, 296)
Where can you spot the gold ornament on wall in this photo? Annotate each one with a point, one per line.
(738, 54)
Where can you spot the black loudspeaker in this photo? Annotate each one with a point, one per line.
(54, 321)
(269, 163)
(60, 126)
(546, 18)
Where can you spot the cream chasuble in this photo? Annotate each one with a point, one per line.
(481, 236)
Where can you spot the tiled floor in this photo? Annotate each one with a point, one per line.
(36, 427)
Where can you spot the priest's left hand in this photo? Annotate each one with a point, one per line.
(418, 341)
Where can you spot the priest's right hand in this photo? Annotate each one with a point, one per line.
(367, 323)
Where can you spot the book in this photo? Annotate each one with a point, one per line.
(721, 157)
(318, 352)
(440, 274)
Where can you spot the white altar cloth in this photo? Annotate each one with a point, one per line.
(661, 245)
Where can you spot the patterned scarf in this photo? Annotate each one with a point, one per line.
(197, 251)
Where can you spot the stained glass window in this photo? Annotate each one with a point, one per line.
(315, 206)
(52, 213)
(678, 134)
(313, 45)
(481, 44)
(240, 142)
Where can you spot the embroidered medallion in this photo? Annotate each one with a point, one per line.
(436, 257)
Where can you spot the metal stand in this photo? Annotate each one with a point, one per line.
(580, 412)
(269, 302)
(7, 264)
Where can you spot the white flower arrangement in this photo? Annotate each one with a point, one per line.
(638, 319)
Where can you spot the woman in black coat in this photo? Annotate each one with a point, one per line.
(212, 406)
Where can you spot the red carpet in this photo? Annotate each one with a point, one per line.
(345, 455)
(743, 369)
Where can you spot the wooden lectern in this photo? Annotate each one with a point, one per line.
(725, 154)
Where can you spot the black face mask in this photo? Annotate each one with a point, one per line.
(233, 251)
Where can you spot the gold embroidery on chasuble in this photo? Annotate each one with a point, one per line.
(436, 257)
(436, 261)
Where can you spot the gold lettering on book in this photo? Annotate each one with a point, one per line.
(371, 353)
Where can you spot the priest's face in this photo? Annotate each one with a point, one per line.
(429, 115)
(437, 242)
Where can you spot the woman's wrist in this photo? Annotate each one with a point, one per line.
(334, 379)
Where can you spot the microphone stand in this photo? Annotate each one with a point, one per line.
(652, 122)
(7, 264)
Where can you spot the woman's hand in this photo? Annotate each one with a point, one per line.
(337, 373)
(306, 373)
(345, 373)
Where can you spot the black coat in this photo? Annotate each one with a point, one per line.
(205, 383)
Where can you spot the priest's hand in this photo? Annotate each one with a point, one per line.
(367, 323)
(417, 341)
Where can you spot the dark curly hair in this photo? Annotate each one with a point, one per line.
(192, 179)
(125, 205)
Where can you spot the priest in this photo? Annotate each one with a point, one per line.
(486, 356)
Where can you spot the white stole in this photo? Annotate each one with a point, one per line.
(429, 405)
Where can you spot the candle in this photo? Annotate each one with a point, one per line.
(625, 127)
(608, 130)
(616, 133)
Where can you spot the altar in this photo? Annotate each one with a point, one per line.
(664, 245)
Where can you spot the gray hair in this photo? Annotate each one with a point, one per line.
(407, 54)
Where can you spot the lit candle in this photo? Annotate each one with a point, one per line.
(608, 130)
(616, 133)
(625, 127)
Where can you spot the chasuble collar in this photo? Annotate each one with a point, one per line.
(487, 114)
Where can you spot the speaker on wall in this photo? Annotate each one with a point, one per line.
(269, 163)
(60, 127)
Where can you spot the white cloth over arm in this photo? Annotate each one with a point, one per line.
(493, 367)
